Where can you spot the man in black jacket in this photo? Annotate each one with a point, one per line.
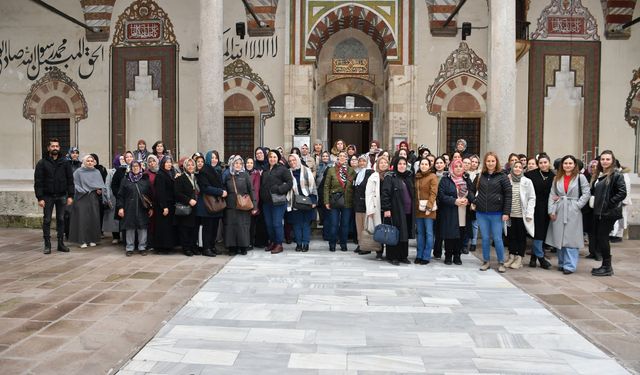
(53, 185)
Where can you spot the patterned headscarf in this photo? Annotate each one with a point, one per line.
(461, 184)
(154, 170)
(137, 176)
(232, 161)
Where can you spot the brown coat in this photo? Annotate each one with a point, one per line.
(426, 188)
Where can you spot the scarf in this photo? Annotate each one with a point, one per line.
(361, 172)
(135, 177)
(341, 173)
(461, 184)
(87, 180)
(154, 170)
(515, 178)
(232, 169)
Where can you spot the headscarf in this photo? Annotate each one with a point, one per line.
(245, 165)
(261, 165)
(154, 170)
(134, 177)
(362, 171)
(377, 143)
(124, 156)
(461, 184)
(72, 150)
(464, 143)
(209, 157)
(298, 162)
(87, 179)
(116, 161)
(192, 177)
(407, 172)
(171, 172)
(515, 178)
(232, 169)
(195, 157)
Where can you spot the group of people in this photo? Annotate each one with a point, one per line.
(148, 200)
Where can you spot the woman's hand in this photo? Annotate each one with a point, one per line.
(553, 217)
(555, 197)
(121, 212)
(224, 193)
(150, 212)
(327, 206)
(387, 214)
(99, 191)
(192, 202)
(505, 217)
(165, 212)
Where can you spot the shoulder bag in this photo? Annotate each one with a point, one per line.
(146, 201)
(302, 202)
(386, 234)
(243, 202)
(214, 204)
(182, 209)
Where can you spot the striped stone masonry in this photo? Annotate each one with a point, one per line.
(97, 14)
(617, 13)
(266, 12)
(439, 11)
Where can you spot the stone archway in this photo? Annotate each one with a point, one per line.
(54, 96)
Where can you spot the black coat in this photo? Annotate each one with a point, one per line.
(210, 183)
(609, 195)
(164, 236)
(359, 201)
(135, 215)
(447, 209)
(391, 200)
(53, 178)
(276, 180)
(494, 193)
(183, 193)
(542, 186)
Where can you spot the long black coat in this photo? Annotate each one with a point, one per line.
(135, 215)
(542, 186)
(164, 236)
(391, 200)
(210, 183)
(183, 193)
(447, 209)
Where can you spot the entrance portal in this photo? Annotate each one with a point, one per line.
(350, 120)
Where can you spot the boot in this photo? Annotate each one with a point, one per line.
(208, 253)
(472, 248)
(544, 263)
(243, 251)
(447, 258)
(298, 247)
(517, 263)
(277, 249)
(465, 250)
(510, 260)
(61, 246)
(456, 259)
(533, 261)
(305, 248)
(378, 255)
(604, 270)
(47, 245)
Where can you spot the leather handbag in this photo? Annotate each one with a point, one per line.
(182, 209)
(386, 234)
(336, 199)
(214, 204)
(278, 199)
(243, 201)
(146, 201)
(302, 203)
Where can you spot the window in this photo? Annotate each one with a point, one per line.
(465, 128)
(238, 136)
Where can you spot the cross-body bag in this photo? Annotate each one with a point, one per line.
(146, 201)
(243, 202)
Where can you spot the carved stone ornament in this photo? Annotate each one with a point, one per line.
(241, 69)
(55, 76)
(461, 61)
(140, 11)
(632, 109)
(566, 19)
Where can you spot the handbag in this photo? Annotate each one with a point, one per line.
(146, 201)
(386, 234)
(243, 202)
(302, 202)
(182, 209)
(336, 199)
(214, 204)
(422, 203)
(278, 199)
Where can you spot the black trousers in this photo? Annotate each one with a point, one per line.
(401, 250)
(601, 229)
(209, 232)
(437, 242)
(59, 203)
(517, 236)
(188, 237)
(453, 246)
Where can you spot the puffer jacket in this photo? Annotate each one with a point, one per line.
(494, 193)
(609, 194)
(275, 180)
(53, 178)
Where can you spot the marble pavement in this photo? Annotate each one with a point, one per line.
(340, 313)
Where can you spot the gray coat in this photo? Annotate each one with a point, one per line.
(566, 230)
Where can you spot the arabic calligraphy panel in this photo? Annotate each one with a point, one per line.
(143, 31)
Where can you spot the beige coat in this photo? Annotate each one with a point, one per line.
(372, 202)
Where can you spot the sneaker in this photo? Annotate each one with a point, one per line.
(502, 268)
(128, 253)
(143, 253)
(517, 263)
(485, 266)
(92, 244)
(114, 241)
(83, 246)
(510, 260)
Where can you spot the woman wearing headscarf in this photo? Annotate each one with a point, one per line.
(303, 184)
(116, 181)
(373, 193)
(152, 163)
(165, 237)
(85, 217)
(213, 159)
(103, 173)
(73, 156)
(426, 190)
(109, 222)
(141, 152)
(260, 161)
(397, 202)
(359, 200)
(258, 234)
(339, 182)
(237, 222)
(324, 165)
(209, 183)
(275, 182)
(186, 193)
(133, 208)
(440, 170)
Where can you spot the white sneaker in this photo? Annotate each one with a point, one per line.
(114, 241)
(83, 246)
(92, 244)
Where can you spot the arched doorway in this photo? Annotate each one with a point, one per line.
(350, 120)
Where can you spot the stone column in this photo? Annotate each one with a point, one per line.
(211, 92)
(501, 99)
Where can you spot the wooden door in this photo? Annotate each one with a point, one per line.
(356, 133)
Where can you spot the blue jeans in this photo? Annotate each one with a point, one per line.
(491, 227)
(568, 258)
(537, 248)
(273, 217)
(425, 238)
(302, 232)
(339, 225)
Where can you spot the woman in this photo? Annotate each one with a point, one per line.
(109, 222)
(609, 192)
(353, 161)
(523, 204)
(141, 153)
(472, 235)
(338, 198)
(158, 150)
(237, 222)
(133, 208)
(85, 217)
(209, 183)
(339, 146)
(439, 169)
(513, 157)
(260, 161)
(351, 151)
(303, 184)
(426, 190)
(213, 159)
(275, 183)
(532, 164)
(455, 194)
(116, 182)
(397, 204)
(359, 200)
(323, 167)
(373, 193)
(152, 171)
(493, 206)
(165, 238)
(73, 156)
(258, 236)
(569, 193)
(457, 155)
(542, 180)
(186, 193)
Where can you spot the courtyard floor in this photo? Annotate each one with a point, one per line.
(91, 311)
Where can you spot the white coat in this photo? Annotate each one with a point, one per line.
(528, 204)
(372, 202)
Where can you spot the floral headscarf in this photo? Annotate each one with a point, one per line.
(134, 177)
